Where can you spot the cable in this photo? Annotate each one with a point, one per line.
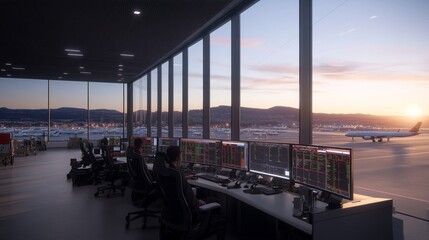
(408, 215)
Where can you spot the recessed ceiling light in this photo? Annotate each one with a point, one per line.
(119, 74)
(120, 69)
(75, 54)
(119, 80)
(72, 50)
(60, 77)
(81, 67)
(120, 65)
(18, 68)
(85, 72)
(126, 55)
(137, 12)
(65, 73)
(3, 70)
(8, 75)
(8, 64)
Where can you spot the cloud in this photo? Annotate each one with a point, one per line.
(373, 17)
(277, 69)
(218, 40)
(264, 84)
(250, 43)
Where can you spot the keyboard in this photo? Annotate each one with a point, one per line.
(213, 178)
(263, 190)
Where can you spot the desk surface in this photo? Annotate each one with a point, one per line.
(280, 205)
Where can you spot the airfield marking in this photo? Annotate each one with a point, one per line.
(393, 194)
(405, 154)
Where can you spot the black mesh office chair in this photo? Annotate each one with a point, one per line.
(178, 220)
(144, 191)
(113, 174)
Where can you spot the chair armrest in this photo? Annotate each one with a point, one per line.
(209, 207)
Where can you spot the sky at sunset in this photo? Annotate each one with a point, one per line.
(368, 57)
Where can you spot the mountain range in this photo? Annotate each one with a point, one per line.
(274, 116)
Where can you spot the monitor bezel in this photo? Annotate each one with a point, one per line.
(350, 197)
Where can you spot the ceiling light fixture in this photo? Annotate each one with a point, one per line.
(81, 67)
(120, 65)
(136, 12)
(65, 73)
(120, 69)
(8, 64)
(18, 68)
(3, 70)
(60, 77)
(126, 55)
(8, 75)
(75, 54)
(72, 50)
(85, 72)
(119, 74)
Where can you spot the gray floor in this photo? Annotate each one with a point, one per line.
(38, 202)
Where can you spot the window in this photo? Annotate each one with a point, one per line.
(140, 106)
(24, 107)
(269, 71)
(154, 102)
(370, 73)
(164, 112)
(220, 82)
(106, 110)
(196, 90)
(178, 90)
(69, 105)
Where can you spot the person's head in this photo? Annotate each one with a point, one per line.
(173, 153)
(138, 143)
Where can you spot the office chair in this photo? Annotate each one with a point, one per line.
(144, 191)
(97, 164)
(112, 175)
(178, 220)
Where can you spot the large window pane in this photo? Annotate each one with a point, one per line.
(106, 110)
(164, 114)
(371, 74)
(220, 82)
(269, 71)
(69, 115)
(140, 106)
(154, 102)
(196, 90)
(24, 107)
(178, 90)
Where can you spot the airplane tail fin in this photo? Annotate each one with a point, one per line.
(416, 128)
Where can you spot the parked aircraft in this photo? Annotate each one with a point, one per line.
(380, 135)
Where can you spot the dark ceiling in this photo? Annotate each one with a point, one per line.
(82, 39)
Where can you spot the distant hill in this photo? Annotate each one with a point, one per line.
(275, 116)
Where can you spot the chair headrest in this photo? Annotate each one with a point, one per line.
(160, 163)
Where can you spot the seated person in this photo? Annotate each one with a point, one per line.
(137, 149)
(174, 157)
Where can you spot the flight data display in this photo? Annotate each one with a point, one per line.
(164, 143)
(149, 145)
(325, 168)
(270, 159)
(201, 151)
(235, 155)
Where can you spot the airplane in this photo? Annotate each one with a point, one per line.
(380, 135)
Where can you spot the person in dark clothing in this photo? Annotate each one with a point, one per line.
(174, 158)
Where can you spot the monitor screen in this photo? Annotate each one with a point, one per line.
(201, 151)
(235, 155)
(97, 151)
(271, 159)
(325, 168)
(164, 143)
(116, 149)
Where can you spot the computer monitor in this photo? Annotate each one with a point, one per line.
(97, 151)
(201, 151)
(328, 169)
(235, 155)
(116, 149)
(164, 143)
(270, 158)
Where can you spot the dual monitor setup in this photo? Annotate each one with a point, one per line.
(328, 169)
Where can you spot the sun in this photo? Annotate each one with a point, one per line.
(414, 111)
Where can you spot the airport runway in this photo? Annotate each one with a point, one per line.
(397, 169)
